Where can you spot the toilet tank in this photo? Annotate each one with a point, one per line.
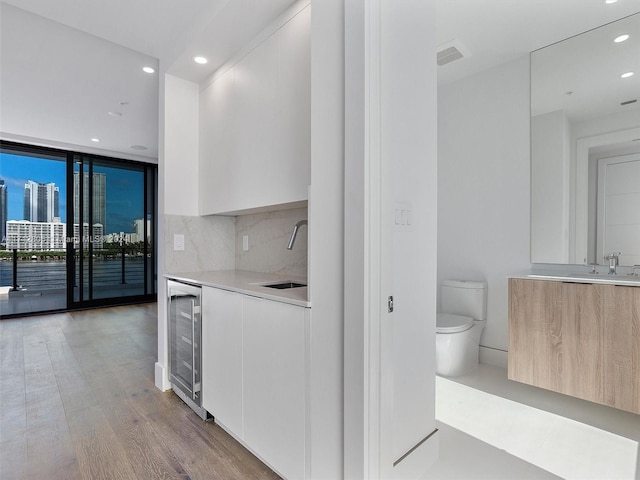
(466, 298)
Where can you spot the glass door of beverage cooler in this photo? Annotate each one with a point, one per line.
(185, 331)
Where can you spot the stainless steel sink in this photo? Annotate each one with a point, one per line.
(284, 285)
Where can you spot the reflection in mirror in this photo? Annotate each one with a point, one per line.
(585, 147)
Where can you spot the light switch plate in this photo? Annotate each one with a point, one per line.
(245, 243)
(178, 242)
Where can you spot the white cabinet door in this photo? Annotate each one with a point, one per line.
(218, 126)
(274, 383)
(256, 77)
(222, 357)
(255, 126)
(292, 140)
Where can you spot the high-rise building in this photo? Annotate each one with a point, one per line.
(98, 195)
(24, 235)
(138, 229)
(96, 236)
(41, 201)
(3, 212)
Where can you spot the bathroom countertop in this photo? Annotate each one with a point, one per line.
(582, 277)
(248, 283)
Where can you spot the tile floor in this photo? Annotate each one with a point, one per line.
(493, 428)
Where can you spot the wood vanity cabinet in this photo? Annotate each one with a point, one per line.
(622, 348)
(578, 339)
(555, 336)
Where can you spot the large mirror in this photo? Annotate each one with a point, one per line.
(585, 147)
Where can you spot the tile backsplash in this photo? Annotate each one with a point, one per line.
(269, 234)
(209, 243)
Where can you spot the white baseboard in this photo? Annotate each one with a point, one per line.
(161, 378)
(493, 356)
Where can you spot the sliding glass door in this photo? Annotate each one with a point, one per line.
(113, 230)
(77, 230)
(33, 230)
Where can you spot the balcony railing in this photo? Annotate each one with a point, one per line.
(41, 275)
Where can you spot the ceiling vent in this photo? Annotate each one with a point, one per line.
(450, 52)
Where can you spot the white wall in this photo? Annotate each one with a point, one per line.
(326, 234)
(390, 161)
(483, 185)
(181, 146)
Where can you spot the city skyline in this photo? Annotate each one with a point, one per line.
(123, 190)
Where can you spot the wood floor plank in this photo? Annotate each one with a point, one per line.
(13, 457)
(13, 422)
(12, 380)
(50, 453)
(100, 454)
(149, 458)
(44, 408)
(10, 327)
(38, 372)
(78, 400)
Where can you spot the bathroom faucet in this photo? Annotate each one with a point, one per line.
(613, 261)
(295, 233)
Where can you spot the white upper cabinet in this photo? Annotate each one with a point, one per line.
(255, 134)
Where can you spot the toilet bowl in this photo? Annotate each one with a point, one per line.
(459, 328)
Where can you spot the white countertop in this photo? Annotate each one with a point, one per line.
(248, 283)
(582, 277)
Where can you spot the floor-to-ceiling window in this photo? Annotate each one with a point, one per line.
(78, 230)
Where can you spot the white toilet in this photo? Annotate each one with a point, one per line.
(459, 327)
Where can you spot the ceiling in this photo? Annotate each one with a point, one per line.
(67, 63)
(494, 32)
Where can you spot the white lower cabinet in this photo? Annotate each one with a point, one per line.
(255, 361)
(274, 383)
(222, 357)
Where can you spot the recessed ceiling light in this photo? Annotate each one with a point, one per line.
(115, 114)
(200, 60)
(95, 140)
(610, 1)
(148, 69)
(621, 38)
(138, 147)
(626, 75)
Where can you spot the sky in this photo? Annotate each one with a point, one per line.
(125, 189)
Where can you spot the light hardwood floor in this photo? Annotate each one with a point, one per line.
(78, 400)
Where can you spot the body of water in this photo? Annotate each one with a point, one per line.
(48, 275)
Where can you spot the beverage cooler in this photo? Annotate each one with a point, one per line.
(185, 346)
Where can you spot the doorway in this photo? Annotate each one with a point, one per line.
(618, 218)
